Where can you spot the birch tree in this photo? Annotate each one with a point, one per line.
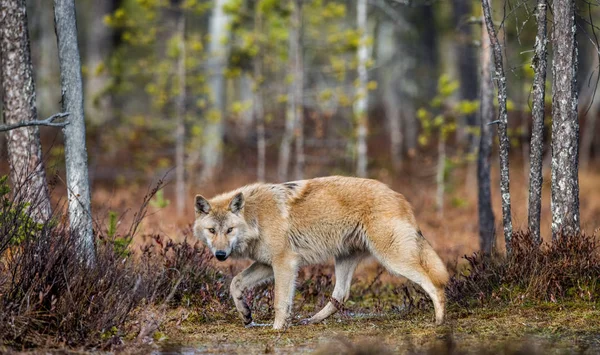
(180, 110)
(295, 103)
(212, 151)
(258, 101)
(361, 103)
(78, 188)
(18, 104)
(538, 64)
(565, 124)
(487, 229)
(502, 122)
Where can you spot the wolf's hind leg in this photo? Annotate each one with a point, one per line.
(409, 255)
(245, 280)
(344, 270)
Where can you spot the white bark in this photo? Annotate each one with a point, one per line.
(565, 124)
(18, 104)
(295, 109)
(362, 95)
(212, 152)
(180, 194)
(500, 79)
(78, 187)
(539, 65)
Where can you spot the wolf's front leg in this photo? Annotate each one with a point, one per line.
(247, 279)
(285, 269)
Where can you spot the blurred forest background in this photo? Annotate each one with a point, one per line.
(226, 92)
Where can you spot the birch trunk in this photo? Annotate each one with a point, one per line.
(80, 217)
(212, 152)
(259, 114)
(537, 132)
(180, 117)
(299, 94)
(18, 104)
(295, 97)
(500, 79)
(487, 228)
(362, 95)
(565, 125)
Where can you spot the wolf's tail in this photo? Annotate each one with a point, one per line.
(433, 265)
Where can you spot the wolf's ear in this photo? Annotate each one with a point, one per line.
(202, 206)
(237, 203)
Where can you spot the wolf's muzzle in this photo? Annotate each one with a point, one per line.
(221, 255)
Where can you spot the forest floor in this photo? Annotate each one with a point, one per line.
(506, 327)
(526, 329)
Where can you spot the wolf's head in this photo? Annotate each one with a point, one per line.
(220, 224)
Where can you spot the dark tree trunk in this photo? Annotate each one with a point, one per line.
(18, 100)
(80, 216)
(537, 132)
(487, 228)
(565, 126)
(500, 79)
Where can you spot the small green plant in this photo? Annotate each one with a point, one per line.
(112, 224)
(159, 200)
(15, 221)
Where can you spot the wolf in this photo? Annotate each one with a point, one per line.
(282, 227)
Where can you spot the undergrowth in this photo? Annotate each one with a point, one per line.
(49, 297)
(566, 269)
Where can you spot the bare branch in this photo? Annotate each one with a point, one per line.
(47, 122)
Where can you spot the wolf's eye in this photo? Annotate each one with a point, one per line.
(211, 230)
(229, 230)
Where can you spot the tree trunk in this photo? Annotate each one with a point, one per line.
(299, 92)
(100, 39)
(537, 133)
(212, 152)
(500, 78)
(259, 114)
(80, 216)
(565, 125)
(18, 104)
(295, 97)
(361, 102)
(392, 112)
(180, 116)
(487, 228)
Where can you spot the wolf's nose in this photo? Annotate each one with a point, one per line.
(221, 255)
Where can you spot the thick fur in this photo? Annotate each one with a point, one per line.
(285, 226)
